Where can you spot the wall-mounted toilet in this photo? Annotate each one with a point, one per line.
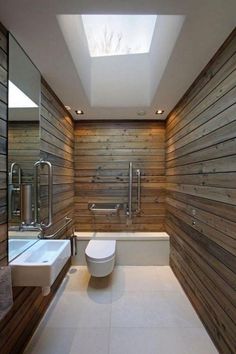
(100, 257)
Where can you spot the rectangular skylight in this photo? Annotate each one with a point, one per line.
(118, 34)
(17, 98)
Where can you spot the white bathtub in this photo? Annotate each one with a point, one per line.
(132, 248)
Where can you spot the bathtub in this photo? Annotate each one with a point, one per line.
(132, 248)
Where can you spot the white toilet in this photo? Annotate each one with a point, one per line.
(100, 257)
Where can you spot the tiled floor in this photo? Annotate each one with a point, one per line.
(137, 310)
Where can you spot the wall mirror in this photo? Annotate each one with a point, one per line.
(24, 92)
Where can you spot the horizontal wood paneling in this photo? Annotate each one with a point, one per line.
(57, 146)
(201, 195)
(3, 145)
(29, 305)
(101, 158)
(23, 148)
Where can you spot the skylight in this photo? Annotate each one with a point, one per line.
(18, 99)
(118, 34)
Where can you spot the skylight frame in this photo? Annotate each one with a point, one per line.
(135, 37)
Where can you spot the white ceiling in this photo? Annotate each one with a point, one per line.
(34, 24)
(121, 80)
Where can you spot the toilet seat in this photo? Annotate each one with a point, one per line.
(100, 250)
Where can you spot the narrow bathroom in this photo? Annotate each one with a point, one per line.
(117, 168)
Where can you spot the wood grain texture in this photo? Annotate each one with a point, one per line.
(29, 305)
(102, 152)
(201, 195)
(23, 148)
(3, 145)
(57, 146)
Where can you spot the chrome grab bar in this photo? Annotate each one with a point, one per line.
(68, 221)
(129, 208)
(38, 164)
(14, 164)
(103, 207)
(129, 211)
(12, 188)
(138, 210)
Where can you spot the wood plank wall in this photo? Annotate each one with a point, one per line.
(3, 145)
(102, 154)
(29, 304)
(23, 148)
(201, 195)
(57, 146)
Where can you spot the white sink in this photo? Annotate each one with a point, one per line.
(18, 246)
(41, 264)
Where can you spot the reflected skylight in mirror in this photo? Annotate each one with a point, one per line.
(17, 98)
(118, 34)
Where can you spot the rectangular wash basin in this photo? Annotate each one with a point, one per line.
(16, 247)
(40, 264)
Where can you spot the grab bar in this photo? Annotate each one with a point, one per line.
(138, 210)
(38, 164)
(12, 189)
(14, 164)
(68, 221)
(129, 209)
(104, 208)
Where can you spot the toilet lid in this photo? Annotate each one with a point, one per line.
(100, 249)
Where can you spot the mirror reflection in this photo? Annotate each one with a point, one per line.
(23, 148)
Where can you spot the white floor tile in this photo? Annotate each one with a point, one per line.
(160, 341)
(79, 279)
(51, 340)
(153, 309)
(141, 310)
(82, 309)
(91, 341)
(131, 278)
(167, 280)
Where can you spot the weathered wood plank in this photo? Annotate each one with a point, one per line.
(201, 195)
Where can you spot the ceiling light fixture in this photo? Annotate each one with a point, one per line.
(79, 112)
(160, 111)
(141, 113)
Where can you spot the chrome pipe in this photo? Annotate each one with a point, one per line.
(38, 164)
(129, 209)
(26, 204)
(138, 210)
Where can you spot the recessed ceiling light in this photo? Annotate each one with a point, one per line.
(79, 112)
(160, 111)
(141, 113)
(68, 108)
